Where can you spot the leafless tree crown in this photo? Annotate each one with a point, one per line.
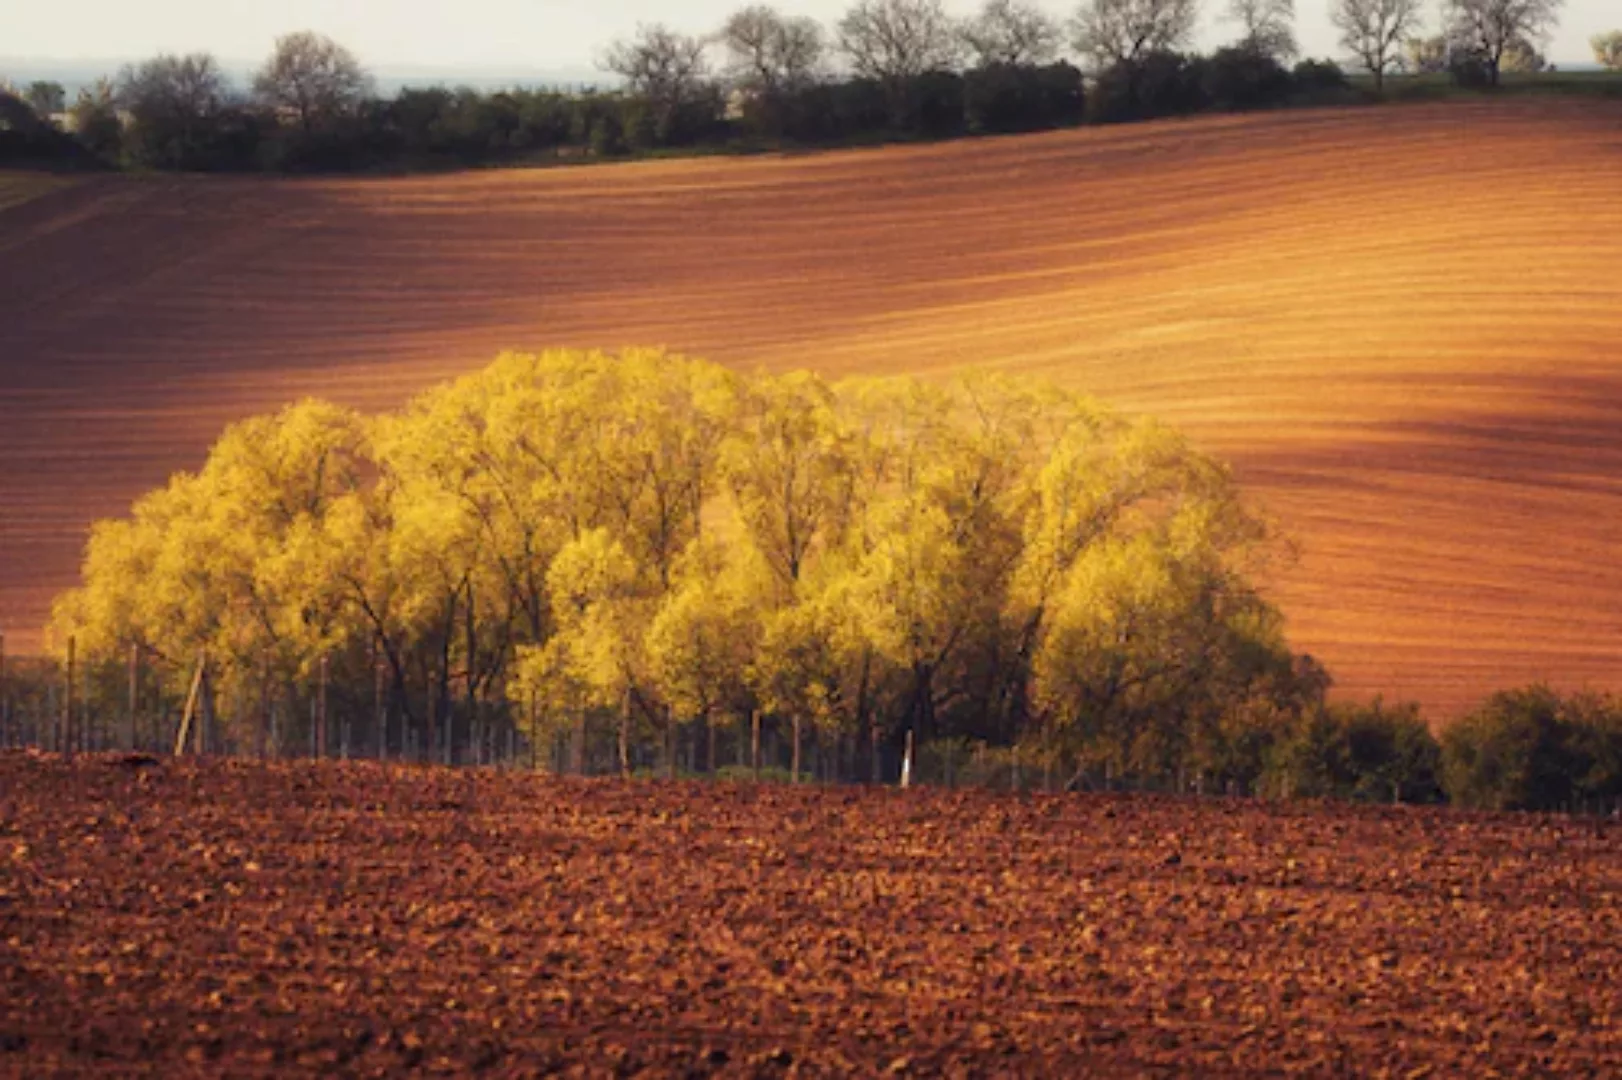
(893, 40)
(314, 77)
(666, 67)
(1268, 27)
(1011, 32)
(1120, 31)
(1374, 31)
(768, 52)
(181, 86)
(1490, 29)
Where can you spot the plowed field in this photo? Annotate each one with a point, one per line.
(241, 919)
(1402, 326)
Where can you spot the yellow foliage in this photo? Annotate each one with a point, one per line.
(579, 530)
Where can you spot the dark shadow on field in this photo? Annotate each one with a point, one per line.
(1564, 433)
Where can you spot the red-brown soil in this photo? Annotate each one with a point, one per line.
(1400, 324)
(244, 919)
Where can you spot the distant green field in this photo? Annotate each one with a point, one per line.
(17, 188)
(1432, 87)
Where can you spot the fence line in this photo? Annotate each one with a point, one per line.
(60, 707)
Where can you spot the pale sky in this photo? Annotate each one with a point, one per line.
(504, 36)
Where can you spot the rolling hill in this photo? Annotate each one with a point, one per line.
(1401, 325)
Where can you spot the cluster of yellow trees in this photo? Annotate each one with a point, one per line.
(612, 555)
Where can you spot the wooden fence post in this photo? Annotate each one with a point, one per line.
(191, 707)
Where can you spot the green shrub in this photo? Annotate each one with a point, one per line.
(1319, 75)
(1237, 78)
(1392, 754)
(1375, 753)
(1596, 746)
(1519, 751)
(1156, 84)
(1014, 97)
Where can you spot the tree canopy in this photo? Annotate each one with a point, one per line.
(314, 78)
(644, 543)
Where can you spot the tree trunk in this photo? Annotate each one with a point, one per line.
(475, 723)
(66, 739)
(207, 727)
(625, 738)
(709, 724)
(321, 711)
(670, 744)
(578, 744)
(794, 772)
(431, 746)
(754, 741)
(134, 695)
(380, 708)
(264, 708)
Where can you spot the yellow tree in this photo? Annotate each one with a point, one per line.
(1151, 615)
(788, 470)
(946, 481)
(665, 418)
(599, 605)
(496, 473)
(815, 662)
(273, 480)
(794, 492)
(484, 485)
(702, 641)
(660, 462)
(130, 596)
(552, 696)
(213, 563)
(570, 533)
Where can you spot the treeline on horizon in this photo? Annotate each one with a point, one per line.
(889, 69)
(594, 562)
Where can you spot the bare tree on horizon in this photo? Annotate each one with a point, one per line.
(1491, 30)
(1112, 32)
(1374, 31)
(313, 77)
(1269, 27)
(1011, 32)
(771, 53)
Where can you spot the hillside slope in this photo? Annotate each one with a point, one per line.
(1401, 325)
